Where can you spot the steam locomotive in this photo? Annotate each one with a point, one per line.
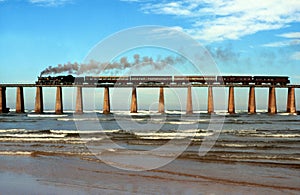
(165, 80)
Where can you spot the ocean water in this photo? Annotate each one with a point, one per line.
(145, 152)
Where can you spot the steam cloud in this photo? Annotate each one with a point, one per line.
(224, 54)
(94, 67)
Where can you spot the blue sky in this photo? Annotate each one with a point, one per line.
(249, 38)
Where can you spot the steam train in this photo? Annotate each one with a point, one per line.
(165, 80)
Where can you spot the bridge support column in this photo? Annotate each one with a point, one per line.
(133, 108)
(272, 108)
(59, 102)
(3, 108)
(20, 100)
(189, 103)
(161, 105)
(39, 108)
(251, 101)
(210, 101)
(291, 103)
(106, 101)
(231, 106)
(79, 105)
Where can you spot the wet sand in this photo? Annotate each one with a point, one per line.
(44, 174)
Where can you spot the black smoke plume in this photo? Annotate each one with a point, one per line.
(94, 67)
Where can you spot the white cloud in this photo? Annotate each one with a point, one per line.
(283, 43)
(293, 38)
(217, 20)
(292, 35)
(50, 3)
(135, 0)
(172, 8)
(296, 55)
(130, 0)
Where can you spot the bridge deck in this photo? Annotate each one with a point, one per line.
(152, 85)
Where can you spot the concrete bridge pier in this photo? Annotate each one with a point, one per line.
(3, 108)
(134, 107)
(272, 108)
(59, 102)
(106, 101)
(251, 101)
(161, 104)
(79, 104)
(39, 108)
(189, 103)
(291, 103)
(210, 101)
(20, 100)
(231, 105)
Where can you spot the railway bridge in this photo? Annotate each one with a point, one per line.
(39, 108)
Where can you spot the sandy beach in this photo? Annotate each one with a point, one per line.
(44, 174)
